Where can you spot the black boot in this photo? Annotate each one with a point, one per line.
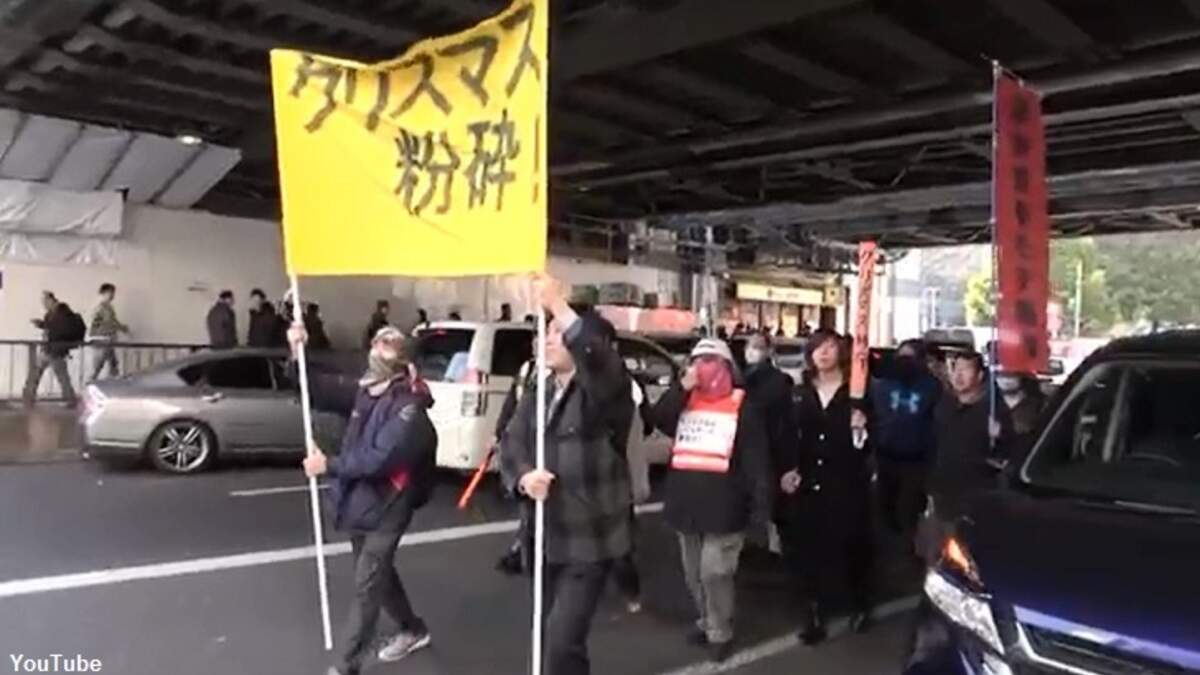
(814, 632)
(512, 562)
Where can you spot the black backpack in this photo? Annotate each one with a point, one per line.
(76, 329)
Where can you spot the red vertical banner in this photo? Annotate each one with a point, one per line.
(868, 255)
(1022, 227)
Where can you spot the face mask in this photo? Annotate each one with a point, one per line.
(1008, 385)
(907, 368)
(383, 365)
(755, 356)
(713, 378)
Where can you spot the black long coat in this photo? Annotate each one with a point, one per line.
(771, 390)
(829, 516)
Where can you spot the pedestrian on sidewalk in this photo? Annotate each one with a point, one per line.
(264, 322)
(717, 486)
(423, 323)
(827, 539)
(62, 331)
(585, 481)
(104, 330)
(222, 323)
(318, 339)
(384, 473)
(380, 319)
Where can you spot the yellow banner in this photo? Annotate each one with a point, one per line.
(431, 164)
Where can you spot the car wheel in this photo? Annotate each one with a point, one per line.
(182, 447)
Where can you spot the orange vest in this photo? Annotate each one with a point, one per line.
(706, 433)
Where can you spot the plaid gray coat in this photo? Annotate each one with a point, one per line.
(588, 509)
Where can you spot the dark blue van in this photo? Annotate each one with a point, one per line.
(1089, 561)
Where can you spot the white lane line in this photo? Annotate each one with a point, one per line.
(118, 575)
(230, 562)
(275, 490)
(655, 507)
(785, 643)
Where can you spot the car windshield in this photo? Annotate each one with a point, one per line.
(441, 354)
(676, 345)
(789, 355)
(1128, 432)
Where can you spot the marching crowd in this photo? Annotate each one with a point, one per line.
(749, 447)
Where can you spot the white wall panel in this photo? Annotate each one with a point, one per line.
(205, 171)
(90, 158)
(149, 164)
(10, 122)
(41, 142)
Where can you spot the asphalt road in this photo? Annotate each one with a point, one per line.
(154, 574)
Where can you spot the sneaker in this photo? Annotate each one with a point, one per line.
(633, 606)
(511, 563)
(721, 651)
(813, 635)
(861, 622)
(404, 644)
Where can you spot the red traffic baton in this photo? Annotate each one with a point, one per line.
(469, 492)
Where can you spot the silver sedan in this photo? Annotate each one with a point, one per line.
(181, 415)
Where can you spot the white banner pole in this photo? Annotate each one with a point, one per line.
(539, 517)
(314, 497)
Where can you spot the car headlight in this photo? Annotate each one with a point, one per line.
(965, 608)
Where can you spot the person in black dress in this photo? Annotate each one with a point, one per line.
(825, 497)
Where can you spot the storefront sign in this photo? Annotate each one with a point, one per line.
(835, 296)
(781, 294)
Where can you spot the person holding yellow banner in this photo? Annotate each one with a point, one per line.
(585, 483)
(382, 476)
(435, 164)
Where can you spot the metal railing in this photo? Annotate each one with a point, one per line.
(19, 357)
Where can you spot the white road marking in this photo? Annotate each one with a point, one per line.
(275, 490)
(118, 575)
(230, 562)
(785, 643)
(655, 507)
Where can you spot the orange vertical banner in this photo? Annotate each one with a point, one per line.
(868, 255)
(1022, 221)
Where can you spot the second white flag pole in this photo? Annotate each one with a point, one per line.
(539, 517)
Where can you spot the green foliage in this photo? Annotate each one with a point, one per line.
(1066, 256)
(980, 300)
(1154, 277)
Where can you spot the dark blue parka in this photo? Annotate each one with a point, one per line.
(389, 448)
